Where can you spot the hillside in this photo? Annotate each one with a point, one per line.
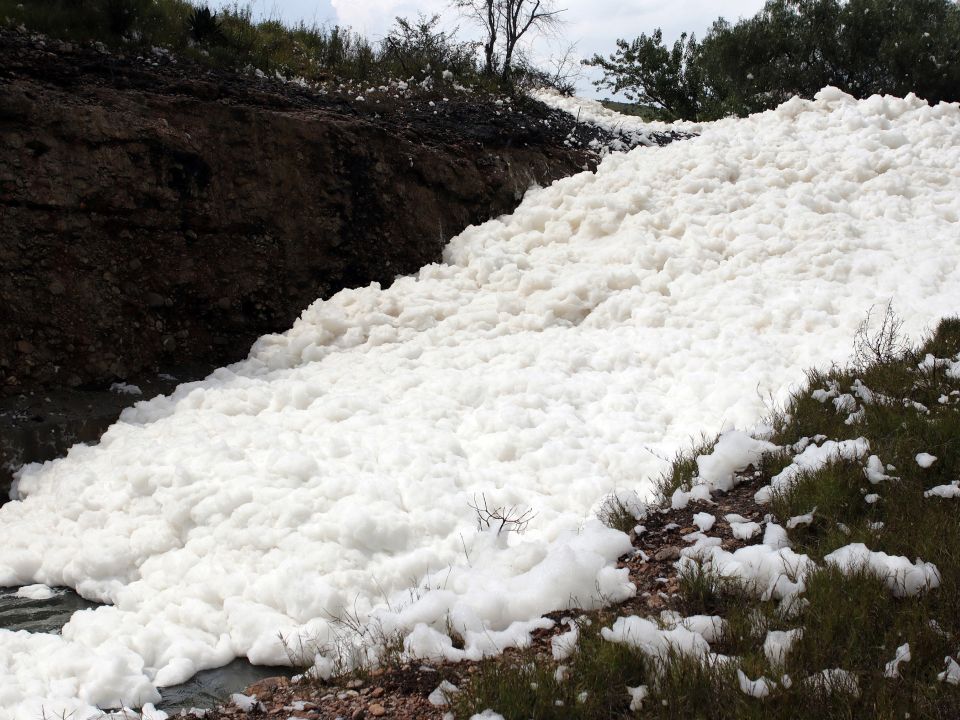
(793, 574)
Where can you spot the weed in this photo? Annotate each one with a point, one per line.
(204, 26)
(621, 512)
(683, 469)
(879, 344)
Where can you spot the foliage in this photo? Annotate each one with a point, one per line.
(643, 111)
(120, 16)
(646, 71)
(560, 72)
(204, 26)
(418, 49)
(232, 38)
(795, 47)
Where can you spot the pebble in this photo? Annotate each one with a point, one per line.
(377, 710)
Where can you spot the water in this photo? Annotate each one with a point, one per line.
(205, 690)
(37, 616)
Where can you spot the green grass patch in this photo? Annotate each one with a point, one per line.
(683, 469)
(589, 685)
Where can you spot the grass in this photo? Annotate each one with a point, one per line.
(621, 511)
(683, 469)
(850, 621)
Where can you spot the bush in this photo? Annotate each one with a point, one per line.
(232, 38)
(121, 16)
(203, 26)
(418, 49)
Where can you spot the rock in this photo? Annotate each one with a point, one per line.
(668, 553)
(266, 686)
(377, 710)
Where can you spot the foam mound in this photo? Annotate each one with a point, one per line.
(557, 354)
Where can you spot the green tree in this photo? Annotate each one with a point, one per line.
(898, 47)
(795, 47)
(648, 72)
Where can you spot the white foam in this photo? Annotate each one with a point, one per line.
(902, 577)
(560, 353)
(925, 460)
(944, 491)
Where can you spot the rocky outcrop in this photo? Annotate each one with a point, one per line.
(155, 214)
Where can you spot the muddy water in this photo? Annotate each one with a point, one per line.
(206, 689)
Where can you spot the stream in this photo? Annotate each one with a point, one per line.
(204, 690)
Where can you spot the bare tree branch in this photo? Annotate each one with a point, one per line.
(504, 23)
(509, 519)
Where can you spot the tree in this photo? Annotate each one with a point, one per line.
(504, 24)
(486, 14)
(795, 47)
(646, 71)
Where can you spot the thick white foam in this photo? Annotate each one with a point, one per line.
(561, 352)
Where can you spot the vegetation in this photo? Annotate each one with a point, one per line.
(504, 23)
(640, 110)
(794, 47)
(849, 620)
(231, 38)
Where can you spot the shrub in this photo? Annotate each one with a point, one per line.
(203, 26)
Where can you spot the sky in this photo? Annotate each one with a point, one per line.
(594, 25)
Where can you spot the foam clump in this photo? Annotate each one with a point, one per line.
(902, 577)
